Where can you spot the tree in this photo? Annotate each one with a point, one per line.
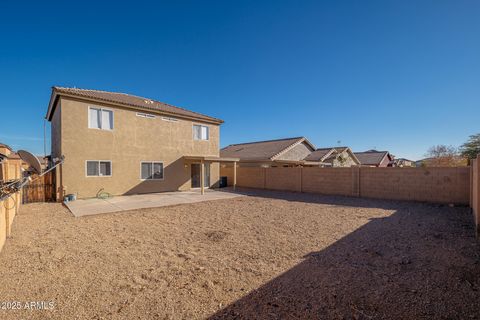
(443, 156)
(471, 148)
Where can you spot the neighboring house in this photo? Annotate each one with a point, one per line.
(374, 158)
(334, 157)
(270, 153)
(6, 153)
(5, 150)
(402, 162)
(125, 144)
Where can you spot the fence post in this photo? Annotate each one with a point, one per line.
(301, 179)
(476, 204)
(355, 181)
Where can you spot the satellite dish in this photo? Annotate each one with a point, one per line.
(31, 160)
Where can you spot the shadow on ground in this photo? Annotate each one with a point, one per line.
(422, 262)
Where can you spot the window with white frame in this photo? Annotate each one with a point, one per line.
(96, 168)
(99, 118)
(200, 132)
(151, 170)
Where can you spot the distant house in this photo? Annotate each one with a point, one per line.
(402, 162)
(4, 151)
(374, 158)
(334, 157)
(271, 153)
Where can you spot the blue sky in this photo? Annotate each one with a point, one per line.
(394, 75)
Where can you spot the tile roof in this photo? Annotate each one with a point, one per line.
(319, 154)
(322, 154)
(371, 157)
(260, 150)
(130, 100)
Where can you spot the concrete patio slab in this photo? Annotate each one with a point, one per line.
(87, 207)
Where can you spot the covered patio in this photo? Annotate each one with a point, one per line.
(202, 160)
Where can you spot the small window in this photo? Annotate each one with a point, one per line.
(169, 119)
(200, 132)
(145, 115)
(99, 118)
(99, 168)
(151, 171)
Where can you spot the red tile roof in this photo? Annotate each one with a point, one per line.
(260, 150)
(128, 100)
(372, 157)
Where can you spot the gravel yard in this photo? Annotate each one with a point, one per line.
(271, 256)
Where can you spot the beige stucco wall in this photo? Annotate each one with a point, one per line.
(133, 139)
(10, 169)
(348, 161)
(297, 153)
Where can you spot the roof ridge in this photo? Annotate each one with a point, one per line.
(274, 140)
(370, 151)
(134, 96)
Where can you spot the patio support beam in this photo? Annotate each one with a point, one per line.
(202, 177)
(234, 175)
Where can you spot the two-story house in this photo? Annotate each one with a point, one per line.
(124, 144)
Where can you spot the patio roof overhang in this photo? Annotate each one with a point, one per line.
(211, 159)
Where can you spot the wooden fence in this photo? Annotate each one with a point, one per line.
(41, 189)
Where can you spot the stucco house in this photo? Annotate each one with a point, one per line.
(125, 144)
(271, 153)
(402, 162)
(334, 157)
(374, 158)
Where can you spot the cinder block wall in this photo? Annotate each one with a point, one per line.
(437, 185)
(332, 181)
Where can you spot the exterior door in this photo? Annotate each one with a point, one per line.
(195, 175)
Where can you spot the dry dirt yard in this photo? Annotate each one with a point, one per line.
(271, 256)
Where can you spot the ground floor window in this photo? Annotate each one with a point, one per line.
(151, 170)
(97, 168)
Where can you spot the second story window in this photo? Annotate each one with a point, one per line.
(200, 132)
(99, 118)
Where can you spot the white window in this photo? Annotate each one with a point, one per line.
(151, 170)
(200, 132)
(145, 115)
(96, 168)
(99, 118)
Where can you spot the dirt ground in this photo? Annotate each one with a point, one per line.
(271, 256)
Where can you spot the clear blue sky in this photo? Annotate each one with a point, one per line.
(395, 75)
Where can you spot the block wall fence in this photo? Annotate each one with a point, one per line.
(455, 185)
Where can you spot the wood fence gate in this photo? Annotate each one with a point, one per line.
(40, 189)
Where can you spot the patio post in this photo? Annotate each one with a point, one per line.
(202, 178)
(234, 175)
